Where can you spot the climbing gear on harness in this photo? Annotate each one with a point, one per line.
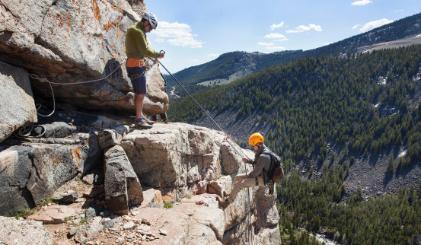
(151, 19)
(133, 62)
(256, 138)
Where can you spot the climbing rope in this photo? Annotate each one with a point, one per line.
(248, 218)
(204, 110)
(45, 80)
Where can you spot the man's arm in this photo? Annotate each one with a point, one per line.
(262, 161)
(143, 46)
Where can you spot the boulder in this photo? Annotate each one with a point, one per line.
(231, 161)
(220, 186)
(16, 232)
(108, 138)
(174, 155)
(67, 42)
(122, 187)
(152, 199)
(17, 104)
(30, 173)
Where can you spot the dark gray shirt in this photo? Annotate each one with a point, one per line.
(262, 165)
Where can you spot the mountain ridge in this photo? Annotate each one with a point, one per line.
(229, 63)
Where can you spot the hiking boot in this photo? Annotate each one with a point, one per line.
(222, 202)
(141, 123)
(148, 121)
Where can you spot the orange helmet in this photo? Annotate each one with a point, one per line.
(255, 139)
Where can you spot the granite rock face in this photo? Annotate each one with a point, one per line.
(17, 104)
(193, 160)
(66, 41)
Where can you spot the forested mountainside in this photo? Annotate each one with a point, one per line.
(315, 206)
(365, 103)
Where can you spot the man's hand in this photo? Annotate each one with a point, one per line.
(161, 54)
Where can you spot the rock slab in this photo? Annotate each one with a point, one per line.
(122, 187)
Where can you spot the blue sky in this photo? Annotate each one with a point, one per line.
(193, 32)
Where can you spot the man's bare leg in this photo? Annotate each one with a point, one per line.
(139, 105)
(140, 119)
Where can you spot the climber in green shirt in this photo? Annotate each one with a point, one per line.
(137, 48)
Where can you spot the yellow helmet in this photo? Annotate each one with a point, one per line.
(255, 139)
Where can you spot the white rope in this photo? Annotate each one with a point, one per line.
(34, 76)
(249, 234)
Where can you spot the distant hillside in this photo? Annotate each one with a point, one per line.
(230, 63)
(235, 65)
(409, 26)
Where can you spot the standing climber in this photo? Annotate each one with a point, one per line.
(137, 48)
(267, 170)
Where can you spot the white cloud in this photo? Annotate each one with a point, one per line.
(176, 34)
(355, 27)
(277, 26)
(270, 46)
(374, 24)
(305, 28)
(361, 2)
(276, 37)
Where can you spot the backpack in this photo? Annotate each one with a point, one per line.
(275, 172)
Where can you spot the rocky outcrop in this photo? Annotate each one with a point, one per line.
(122, 187)
(66, 42)
(30, 173)
(191, 160)
(16, 232)
(188, 166)
(17, 105)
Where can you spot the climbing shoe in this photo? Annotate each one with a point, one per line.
(141, 123)
(148, 121)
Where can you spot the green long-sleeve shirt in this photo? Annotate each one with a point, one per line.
(137, 45)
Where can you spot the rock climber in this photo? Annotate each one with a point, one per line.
(267, 170)
(137, 48)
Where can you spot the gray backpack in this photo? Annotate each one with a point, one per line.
(275, 172)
